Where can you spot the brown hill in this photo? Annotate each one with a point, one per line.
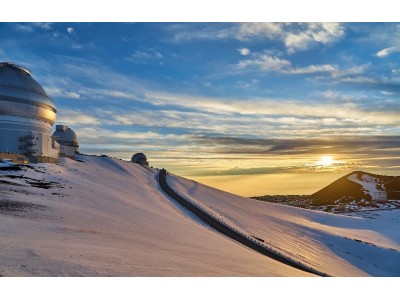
(345, 189)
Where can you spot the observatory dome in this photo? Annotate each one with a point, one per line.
(140, 158)
(65, 136)
(27, 115)
(21, 95)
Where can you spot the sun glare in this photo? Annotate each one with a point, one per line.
(325, 161)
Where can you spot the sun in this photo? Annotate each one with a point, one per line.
(326, 160)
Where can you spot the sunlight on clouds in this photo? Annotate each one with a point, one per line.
(74, 117)
(351, 112)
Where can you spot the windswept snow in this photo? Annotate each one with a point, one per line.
(369, 185)
(335, 244)
(101, 216)
(105, 217)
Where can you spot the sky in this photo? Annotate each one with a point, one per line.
(250, 108)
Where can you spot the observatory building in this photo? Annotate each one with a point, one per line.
(27, 115)
(67, 139)
(140, 158)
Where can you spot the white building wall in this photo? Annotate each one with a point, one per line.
(15, 130)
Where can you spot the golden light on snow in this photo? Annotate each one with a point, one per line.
(326, 160)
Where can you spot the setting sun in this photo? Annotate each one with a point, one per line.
(325, 161)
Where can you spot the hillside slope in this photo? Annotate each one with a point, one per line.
(336, 244)
(360, 186)
(105, 217)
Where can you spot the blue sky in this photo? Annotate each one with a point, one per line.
(224, 103)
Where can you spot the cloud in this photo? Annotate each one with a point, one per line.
(59, 92)
(387, 51)
(347, 114)
(333, 70)
(311, 146)
(148, 54)
(70, 30)
(294, 36)
(268, 63)
(264, 62)
(247, 31)
(313, 33)
(244, 51)
(30, 27)
(386, 93)
(313, 69)
(76, 117)
(72, 95)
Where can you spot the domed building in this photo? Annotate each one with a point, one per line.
(27, 115)
(140, 158)
(67, 139)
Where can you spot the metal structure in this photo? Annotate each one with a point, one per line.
(27, 115)
(67, 139)
(140, 158)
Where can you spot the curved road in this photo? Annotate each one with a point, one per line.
(227, 230)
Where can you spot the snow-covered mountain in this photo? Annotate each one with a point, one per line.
(360, 186)
(100, 216)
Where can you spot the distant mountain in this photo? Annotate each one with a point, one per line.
(359, 186)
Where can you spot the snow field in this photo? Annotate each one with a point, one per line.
(106, 217)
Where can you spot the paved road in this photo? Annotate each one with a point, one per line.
(227, 230)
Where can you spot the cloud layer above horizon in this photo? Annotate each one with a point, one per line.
(209, 99)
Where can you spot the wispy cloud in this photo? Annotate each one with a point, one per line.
(76, 117)
(30, 27)
(294, 36)
(148, 54)
(313, 69)
(58, 92)
(268, 63)
(264, 62)
(387, 51)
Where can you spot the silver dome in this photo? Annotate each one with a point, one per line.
(21, 95)
(65, 136)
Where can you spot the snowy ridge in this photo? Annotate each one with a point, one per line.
(370, 186)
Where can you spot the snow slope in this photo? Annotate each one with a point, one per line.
(105, 217)
(335, 244)
(370, 186)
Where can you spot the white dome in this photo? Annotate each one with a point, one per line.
(65, 136)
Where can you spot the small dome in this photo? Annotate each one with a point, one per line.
(65, 136)
(139, 158)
